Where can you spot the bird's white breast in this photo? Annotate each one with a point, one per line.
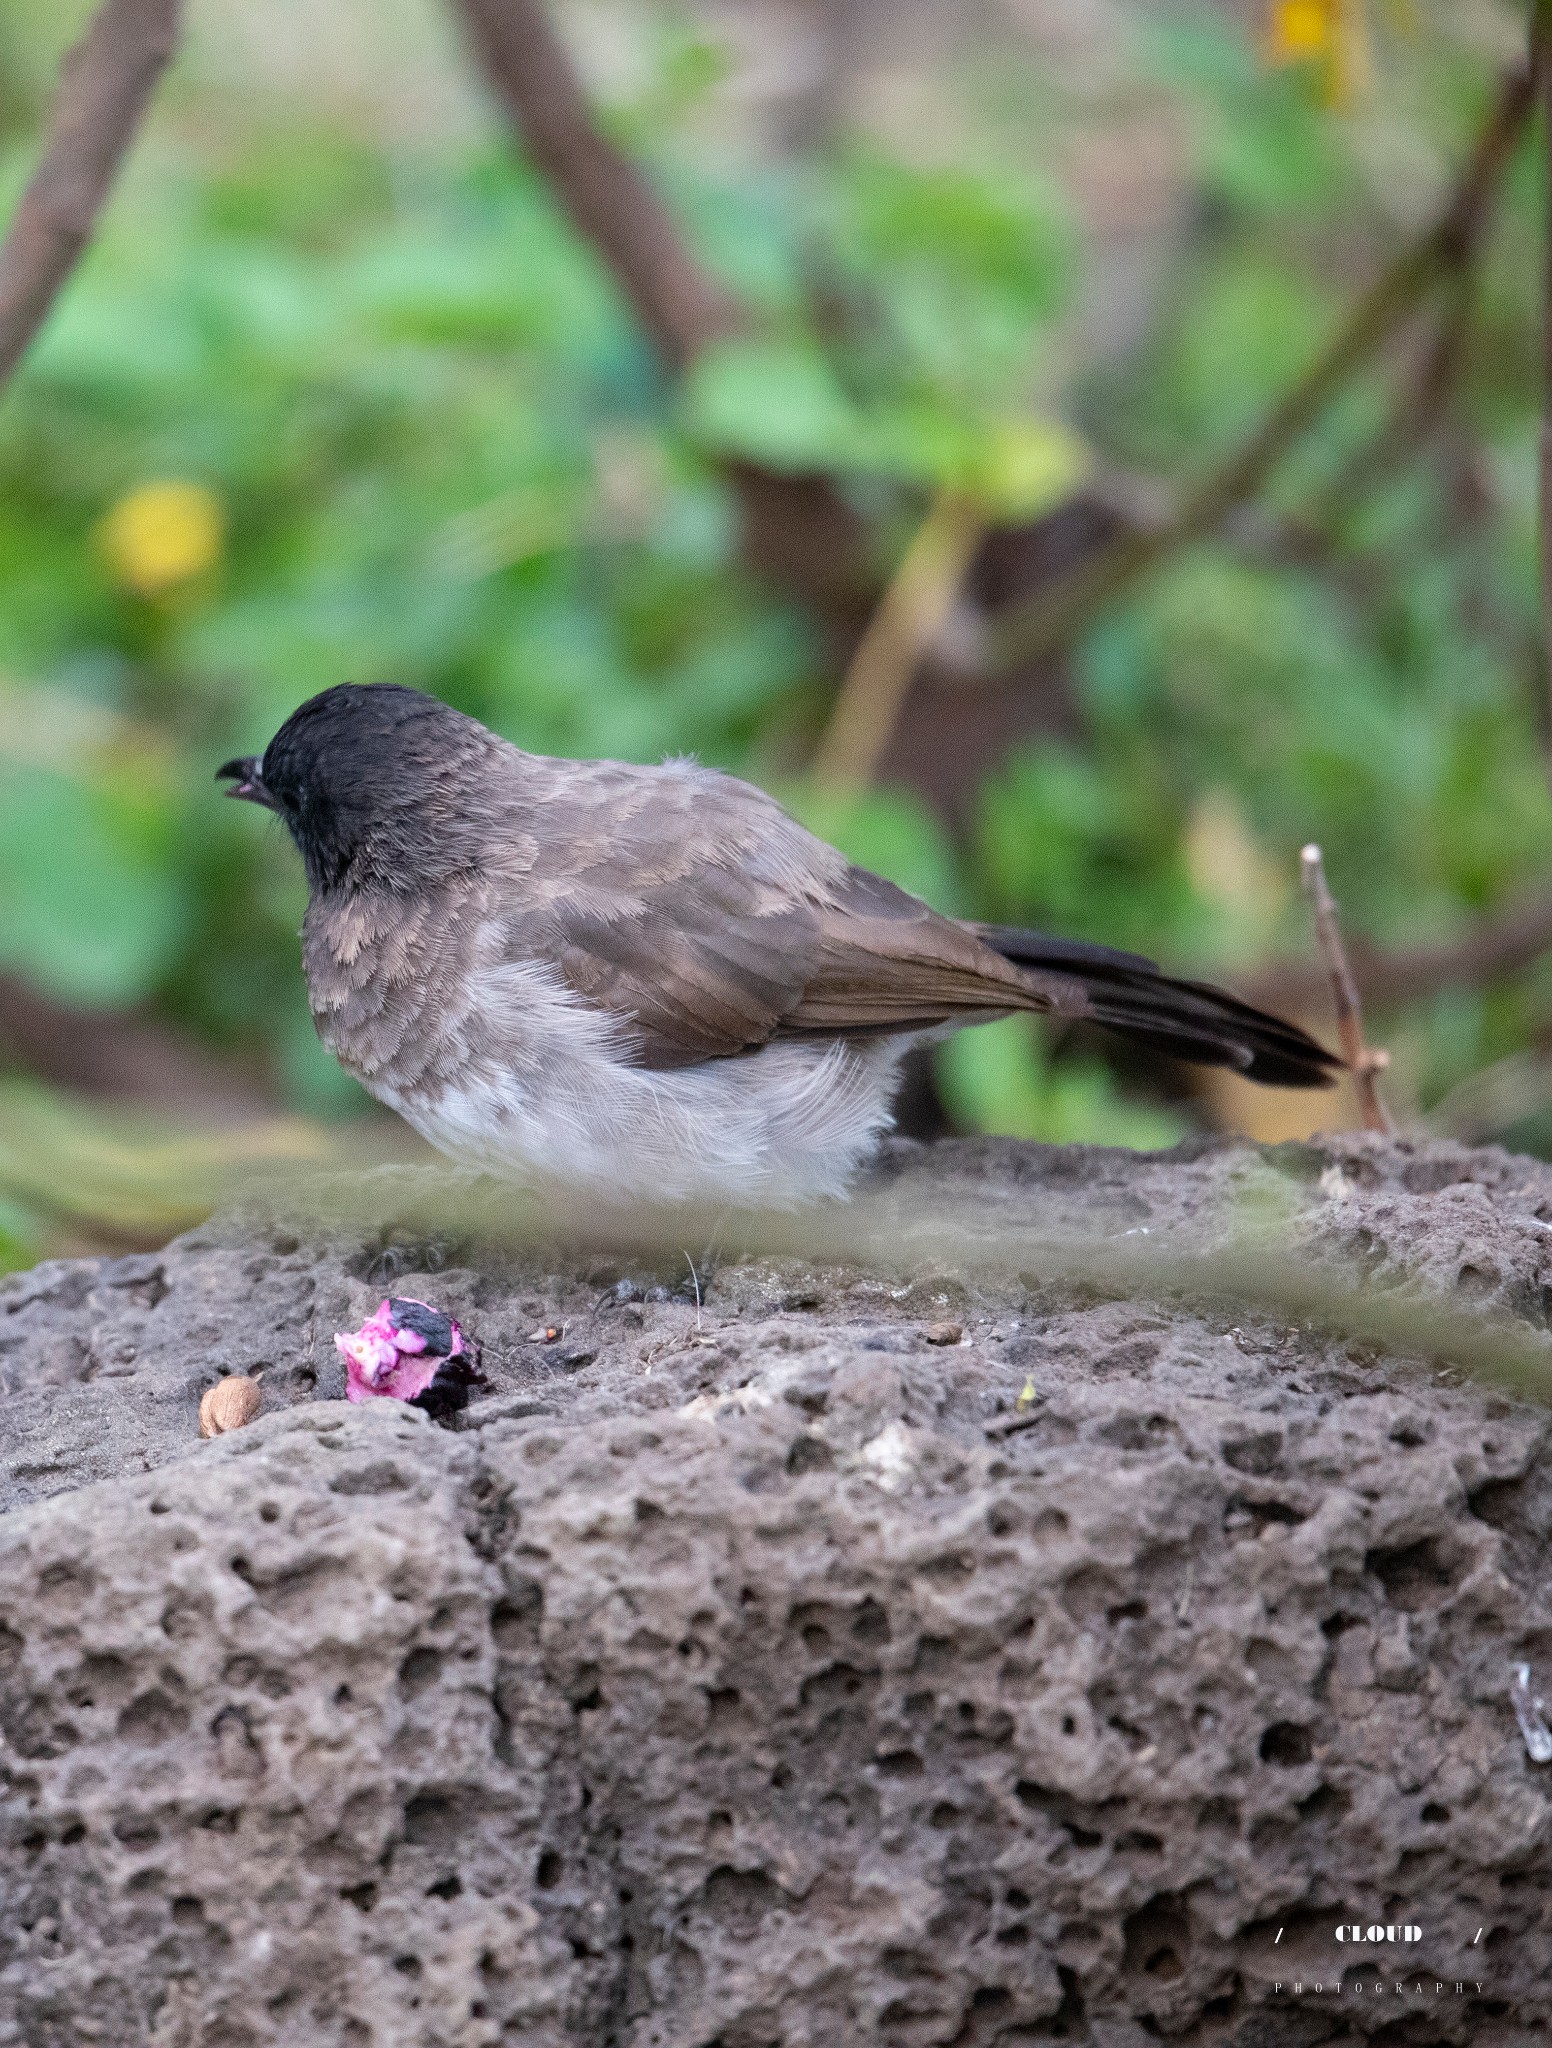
(563, 1110)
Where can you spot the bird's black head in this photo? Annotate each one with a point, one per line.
(361, 774)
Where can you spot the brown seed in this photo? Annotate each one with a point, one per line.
(228, 1405)
(943, 1333)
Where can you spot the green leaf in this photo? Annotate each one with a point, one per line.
(1027, 466)
(774, 402)
(781, 404)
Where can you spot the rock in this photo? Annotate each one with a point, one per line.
(786, 1671)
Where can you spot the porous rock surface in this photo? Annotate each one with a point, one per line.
(912, 1659)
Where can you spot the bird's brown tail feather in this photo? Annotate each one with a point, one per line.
(1189, 1020)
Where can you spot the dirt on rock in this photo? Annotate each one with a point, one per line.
(928, 1658)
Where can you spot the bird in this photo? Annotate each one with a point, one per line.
(616, 984)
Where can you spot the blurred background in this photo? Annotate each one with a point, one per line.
(342, 392)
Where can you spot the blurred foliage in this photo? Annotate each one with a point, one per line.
(323, 404)
(122, 1176)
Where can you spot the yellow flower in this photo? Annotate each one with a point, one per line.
(1302, 28)
(162, 534)
(1333, 33)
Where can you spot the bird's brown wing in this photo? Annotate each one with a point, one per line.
(886, 962)
(696, 910)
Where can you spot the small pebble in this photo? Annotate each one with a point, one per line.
(229, 1404)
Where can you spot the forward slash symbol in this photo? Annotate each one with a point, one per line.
(1476, 1937)
(1279, 1937)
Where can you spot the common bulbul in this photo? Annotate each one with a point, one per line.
(634, 984)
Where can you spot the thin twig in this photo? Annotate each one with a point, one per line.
(1050, 617)
(909, 617)
(1364, 1061)
(105, 84)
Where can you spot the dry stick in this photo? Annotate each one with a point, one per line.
(105, 84)
(909, 617)
(1364, 1061)
(1046, 620)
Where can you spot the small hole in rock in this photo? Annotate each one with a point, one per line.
(900, 1763)
(871, 1623)
(420, 1670)
(1326, 1802)
(1286, 1744)
(809, 1453)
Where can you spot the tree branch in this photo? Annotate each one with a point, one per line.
(611, 203)
(798, 530)
(105, 84)
(1045, 620)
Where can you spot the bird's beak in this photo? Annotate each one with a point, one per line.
(246, 781)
